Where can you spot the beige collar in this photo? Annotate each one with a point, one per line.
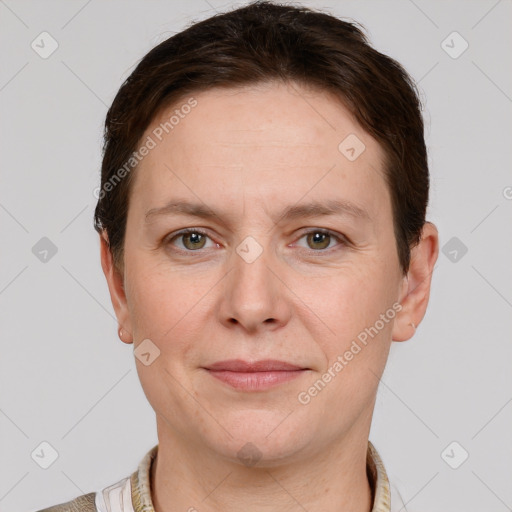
(379, 483)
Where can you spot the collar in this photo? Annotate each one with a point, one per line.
(138, 486)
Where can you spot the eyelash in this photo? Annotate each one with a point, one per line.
(341, 240)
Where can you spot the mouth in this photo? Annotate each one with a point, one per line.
(255, 376)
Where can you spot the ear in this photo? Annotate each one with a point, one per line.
(415, 288)
(115, 281)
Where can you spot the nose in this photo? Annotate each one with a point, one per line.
(255, 295)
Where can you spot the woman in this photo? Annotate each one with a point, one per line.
(263, 235)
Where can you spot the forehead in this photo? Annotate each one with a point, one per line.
(268, 141)
(270, 114)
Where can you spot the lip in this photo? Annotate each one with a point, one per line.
(265, 365)
(255, 376)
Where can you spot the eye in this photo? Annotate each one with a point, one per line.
(320, 239)
(193, 239)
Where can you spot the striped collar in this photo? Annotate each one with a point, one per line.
(140, 486)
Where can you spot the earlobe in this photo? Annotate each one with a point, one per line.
(116, 289)
(415, 290)
(124, 336)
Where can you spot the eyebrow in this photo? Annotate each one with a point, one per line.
(312, 209)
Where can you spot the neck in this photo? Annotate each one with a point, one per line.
(193, 479)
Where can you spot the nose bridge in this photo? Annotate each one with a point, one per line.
(253, 292)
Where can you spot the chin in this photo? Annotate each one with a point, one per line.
(261, 438)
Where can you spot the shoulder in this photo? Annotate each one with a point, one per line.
(84, 503)
(117, 496)
(128, 494)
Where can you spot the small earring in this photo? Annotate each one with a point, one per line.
(120, 332)
(413, 326)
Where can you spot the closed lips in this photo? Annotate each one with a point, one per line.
(267, 365)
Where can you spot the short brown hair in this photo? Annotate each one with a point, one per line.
(261, 42)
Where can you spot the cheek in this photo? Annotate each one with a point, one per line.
(166, 308)
(358, 351)
(352, 305)
(169, 307)
(157, 300)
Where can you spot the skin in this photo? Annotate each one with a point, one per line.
(248, 153)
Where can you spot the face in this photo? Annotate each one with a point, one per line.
(264, 272)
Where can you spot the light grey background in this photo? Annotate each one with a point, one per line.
(67, 379)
